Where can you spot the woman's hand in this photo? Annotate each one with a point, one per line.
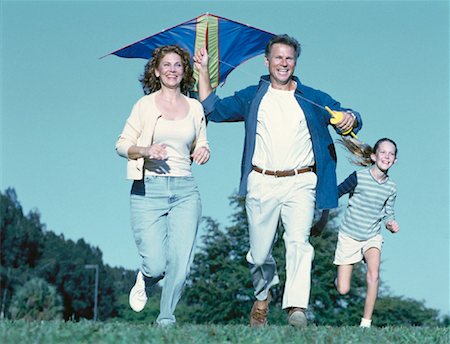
(155, 151)
(201, 155)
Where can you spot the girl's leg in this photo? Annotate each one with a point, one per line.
(343, 279)
(372, 257)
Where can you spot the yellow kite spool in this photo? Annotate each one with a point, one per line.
(336, 117)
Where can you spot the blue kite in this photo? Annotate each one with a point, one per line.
(229, 43)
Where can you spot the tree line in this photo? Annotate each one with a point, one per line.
(44, 276)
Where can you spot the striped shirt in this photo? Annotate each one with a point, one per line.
(370, 203)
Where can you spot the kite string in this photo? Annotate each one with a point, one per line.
(296, 95)
(268, 82)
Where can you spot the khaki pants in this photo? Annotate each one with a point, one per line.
(292, 199)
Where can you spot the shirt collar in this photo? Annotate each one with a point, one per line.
(265, 79)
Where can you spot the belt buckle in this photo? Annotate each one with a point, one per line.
(276, 174)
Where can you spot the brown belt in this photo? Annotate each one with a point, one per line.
(288, 173)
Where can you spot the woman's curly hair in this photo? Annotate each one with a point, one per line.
(150, 83)
(362, 150)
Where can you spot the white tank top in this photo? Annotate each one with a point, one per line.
(178, 136)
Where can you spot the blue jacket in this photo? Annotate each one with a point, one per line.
(243, 106)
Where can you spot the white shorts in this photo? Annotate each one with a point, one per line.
(351, 251)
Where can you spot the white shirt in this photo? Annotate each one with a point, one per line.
(283, 141)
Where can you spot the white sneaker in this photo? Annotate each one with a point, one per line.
(138, 297)
(365, 323)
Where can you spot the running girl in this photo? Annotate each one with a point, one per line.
(371, 202)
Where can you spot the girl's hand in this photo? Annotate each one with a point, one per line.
(393, 226)
(201, 155)
(155, 151)
(317, 229)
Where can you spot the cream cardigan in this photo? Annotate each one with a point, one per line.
(140, 125)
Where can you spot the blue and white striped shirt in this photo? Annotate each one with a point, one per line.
(370, 203)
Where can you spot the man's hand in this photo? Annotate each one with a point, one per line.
(347, 122)
(201, 59)
(201, 64)
(344, 121)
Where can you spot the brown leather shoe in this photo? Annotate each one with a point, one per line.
(260, 312)
(297, 317)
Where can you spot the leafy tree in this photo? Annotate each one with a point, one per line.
(327, 306)
(400, 311)
(219, 288)
(28, 250)
(64, 264)
(36, 300)
(21, 242)
(22, 235)
(123, 279)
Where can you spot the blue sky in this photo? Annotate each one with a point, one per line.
(62, 108)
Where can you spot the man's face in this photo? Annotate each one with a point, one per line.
(281, 63)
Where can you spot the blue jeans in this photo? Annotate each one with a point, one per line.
(165, 214)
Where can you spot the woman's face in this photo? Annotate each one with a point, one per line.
(170, 71)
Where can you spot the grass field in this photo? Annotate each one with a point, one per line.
(20, 332)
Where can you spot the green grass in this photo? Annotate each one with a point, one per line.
(22, 332)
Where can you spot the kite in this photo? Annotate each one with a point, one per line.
(229, 43)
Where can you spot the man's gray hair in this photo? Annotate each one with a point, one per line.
(283, 39)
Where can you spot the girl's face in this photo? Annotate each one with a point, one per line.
(170, 71)
(385, 156)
